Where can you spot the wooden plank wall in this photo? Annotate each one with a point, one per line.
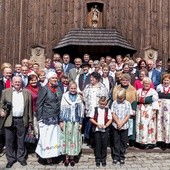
(24, 23)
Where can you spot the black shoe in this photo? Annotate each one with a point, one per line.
(103, 164)
(23, 163)
(9, 164)
(49, 161)
(114, 162)
(150, 146)
(66, 162)
(98, 164)
(122, 162)
(72, 162)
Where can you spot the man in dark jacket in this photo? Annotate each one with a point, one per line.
(16, 111)
(5, 82)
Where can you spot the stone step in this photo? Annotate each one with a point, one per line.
(86, 149)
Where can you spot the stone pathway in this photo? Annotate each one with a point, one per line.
(136, 159)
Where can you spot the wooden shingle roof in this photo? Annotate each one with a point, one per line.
(94, 37)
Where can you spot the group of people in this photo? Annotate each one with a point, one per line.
(67, 104)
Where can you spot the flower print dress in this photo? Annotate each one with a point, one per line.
(163, 119)
(146, 116)
(71, 114)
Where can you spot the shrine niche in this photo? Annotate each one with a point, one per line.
(38, 55)
(95, 15)
(150, 53)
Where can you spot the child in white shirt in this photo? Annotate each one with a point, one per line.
(101, 119)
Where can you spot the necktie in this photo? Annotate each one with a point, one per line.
(65, 67)
(25, 80)
(84, 77)
(7, 84)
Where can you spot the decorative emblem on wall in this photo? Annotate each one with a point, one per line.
(38, 55)
(150, 53)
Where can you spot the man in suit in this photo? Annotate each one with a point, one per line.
(16, 109)
(17, 70)
(154, 74)
(24, 76)
(83, 79)
(67, 66)
(159, 66)
(77, 70)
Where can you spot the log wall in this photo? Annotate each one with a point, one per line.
(24, 23)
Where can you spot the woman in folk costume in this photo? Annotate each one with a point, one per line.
(146, 114)
(47, 113)
(71, 117)
(130, 97)
(163, 118)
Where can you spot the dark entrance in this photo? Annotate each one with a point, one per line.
(95, 42)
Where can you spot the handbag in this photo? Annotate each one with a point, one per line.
(6, 108)
(30, 135)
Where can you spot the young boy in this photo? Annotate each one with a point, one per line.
(121, 110)
(101, 119)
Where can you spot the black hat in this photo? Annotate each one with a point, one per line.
(85, 64)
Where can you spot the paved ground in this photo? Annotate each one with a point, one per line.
(136, 159)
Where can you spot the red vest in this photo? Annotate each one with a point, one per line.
(105, 115)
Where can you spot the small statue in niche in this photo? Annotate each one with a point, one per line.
(95, 16)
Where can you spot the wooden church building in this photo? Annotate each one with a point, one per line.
(41, 28)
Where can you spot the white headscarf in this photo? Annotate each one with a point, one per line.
(50, 74)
